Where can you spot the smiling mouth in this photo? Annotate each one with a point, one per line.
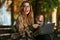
(27, 11)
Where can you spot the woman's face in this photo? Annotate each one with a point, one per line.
(41, 18)
(26, 8)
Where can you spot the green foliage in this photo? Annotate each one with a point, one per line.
(49, 5)
(59, 30)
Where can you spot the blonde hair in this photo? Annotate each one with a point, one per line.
(30, 16)
(24, 21)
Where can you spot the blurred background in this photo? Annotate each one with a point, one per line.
(49, 8)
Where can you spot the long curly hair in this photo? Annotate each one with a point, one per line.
(30, 16)
(23, 20)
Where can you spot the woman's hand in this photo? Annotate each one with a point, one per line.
(35, 26)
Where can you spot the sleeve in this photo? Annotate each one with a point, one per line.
(31, 28)
(19, 24)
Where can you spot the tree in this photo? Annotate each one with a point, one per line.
(49, 5)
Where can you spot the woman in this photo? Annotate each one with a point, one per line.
(25, 20)
(40, 21)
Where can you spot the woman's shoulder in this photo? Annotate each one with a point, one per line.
(19, 16)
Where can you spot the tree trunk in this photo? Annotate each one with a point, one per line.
(54, 16)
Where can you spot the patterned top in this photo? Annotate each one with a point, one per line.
(22, 25)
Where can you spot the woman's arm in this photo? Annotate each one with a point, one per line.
(33, 27)
(19, 24)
